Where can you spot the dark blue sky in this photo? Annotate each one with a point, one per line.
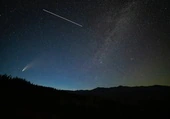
(122, 42)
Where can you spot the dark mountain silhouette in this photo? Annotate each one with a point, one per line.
(131, 95)
(22, 99)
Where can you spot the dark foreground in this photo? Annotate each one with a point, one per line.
(22, 100)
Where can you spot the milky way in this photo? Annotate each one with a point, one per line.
(116, 24)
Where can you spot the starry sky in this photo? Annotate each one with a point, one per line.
(121, 42)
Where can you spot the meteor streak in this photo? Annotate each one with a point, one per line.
(62, 17)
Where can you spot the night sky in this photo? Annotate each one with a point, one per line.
(121, 42)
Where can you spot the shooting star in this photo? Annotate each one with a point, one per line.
(62, 17)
